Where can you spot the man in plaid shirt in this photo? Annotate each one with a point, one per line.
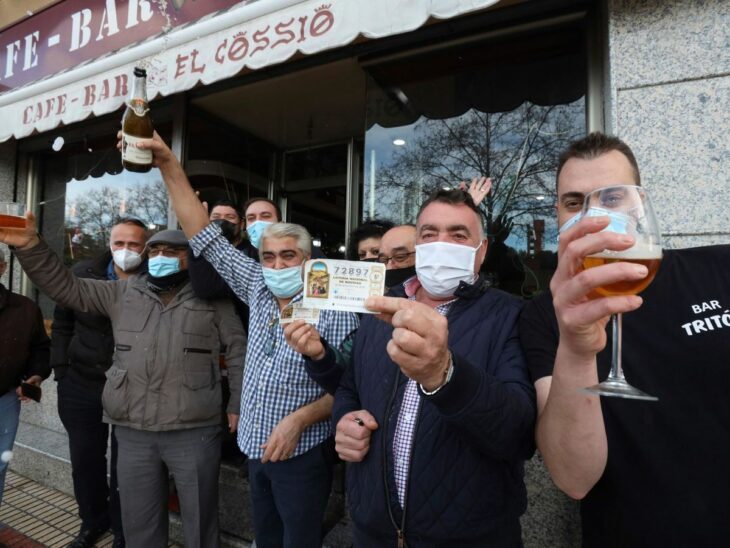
(284, 427)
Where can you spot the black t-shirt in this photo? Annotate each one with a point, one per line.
(667, 479)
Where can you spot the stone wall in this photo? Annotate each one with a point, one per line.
(7, 183)
(670, 100)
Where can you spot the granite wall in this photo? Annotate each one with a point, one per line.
(669, 65)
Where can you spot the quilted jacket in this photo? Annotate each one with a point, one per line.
(465, 485)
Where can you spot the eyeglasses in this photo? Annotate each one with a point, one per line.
(397, 258)
(166, 251)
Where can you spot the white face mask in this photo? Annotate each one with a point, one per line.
(442, 266)
(126, 259)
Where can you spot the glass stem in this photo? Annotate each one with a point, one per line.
(617, 372)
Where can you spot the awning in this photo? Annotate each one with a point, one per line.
(249, 35)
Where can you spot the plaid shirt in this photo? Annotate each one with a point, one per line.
(275, 382)
(409, 409)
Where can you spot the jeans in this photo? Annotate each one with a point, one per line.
(9, 415)
(290, 497)
(79, 407)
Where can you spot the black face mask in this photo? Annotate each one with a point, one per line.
(229, 230)
(396, 276)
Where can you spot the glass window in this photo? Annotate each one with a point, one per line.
(503, 109)
(224, 162)
(85, 190)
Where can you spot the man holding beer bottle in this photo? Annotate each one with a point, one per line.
(647, 472)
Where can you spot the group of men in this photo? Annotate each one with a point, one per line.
(435, 400)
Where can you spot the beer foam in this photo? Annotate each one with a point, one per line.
(638, 252)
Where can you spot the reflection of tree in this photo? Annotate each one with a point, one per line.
(95, 212)
(518, 149)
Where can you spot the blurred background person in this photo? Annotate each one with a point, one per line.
(365, 240)
(82, 348)
(24, 351)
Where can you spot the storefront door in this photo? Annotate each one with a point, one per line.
(314, 194)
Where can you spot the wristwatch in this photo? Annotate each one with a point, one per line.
(447, 377)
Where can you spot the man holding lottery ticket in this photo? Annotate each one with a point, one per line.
(436, 410)
(284, 427)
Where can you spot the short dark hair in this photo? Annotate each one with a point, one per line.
(452, 196)
(262, 199)
(129, 220)
(594, 145)
(374, 228)
(227, 203)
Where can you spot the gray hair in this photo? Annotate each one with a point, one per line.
(290, 230)
(2, 256)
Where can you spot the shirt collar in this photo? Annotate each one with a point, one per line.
(111, 274)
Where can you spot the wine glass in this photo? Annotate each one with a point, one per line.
(630, 212)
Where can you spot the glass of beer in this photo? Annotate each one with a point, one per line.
(12, 215)
(630, 212)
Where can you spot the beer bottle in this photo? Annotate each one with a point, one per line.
(137, 125)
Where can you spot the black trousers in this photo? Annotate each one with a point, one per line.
(79, 406)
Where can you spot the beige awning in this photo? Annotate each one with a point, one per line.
(248, 36)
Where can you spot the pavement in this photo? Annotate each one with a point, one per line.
(35, 516)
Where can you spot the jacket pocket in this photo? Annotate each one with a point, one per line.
(201, 389)
(115, 397)
(199, 318)
(134, 315)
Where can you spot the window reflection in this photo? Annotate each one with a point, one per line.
(434, 122)
(94, 205)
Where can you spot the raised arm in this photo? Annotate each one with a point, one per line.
(570, 431)
(190, 212)
(49, 274)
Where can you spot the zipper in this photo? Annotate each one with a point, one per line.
(197, 351)
(402, 531)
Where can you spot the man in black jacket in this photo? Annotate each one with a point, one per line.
(436, 411)
(23, 358)
(82, 346)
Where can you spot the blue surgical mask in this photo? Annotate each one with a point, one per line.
(284, 283)
(163, 266)
(255, 230)
(618, 222)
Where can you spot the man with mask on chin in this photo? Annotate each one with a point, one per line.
(162, 390)
(436, 411)
(285, 429)
(82, 346)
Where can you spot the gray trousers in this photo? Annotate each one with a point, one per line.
(193, 458)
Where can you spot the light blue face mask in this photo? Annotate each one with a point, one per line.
(618, 222)
(163, 266)
(284, 283)
(255, 230)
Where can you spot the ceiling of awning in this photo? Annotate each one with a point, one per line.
(251, 36)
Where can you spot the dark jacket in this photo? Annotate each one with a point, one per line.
(208, 284)
(465, 485)
(82, 345)
(24, 345)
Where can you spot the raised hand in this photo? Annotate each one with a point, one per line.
(478, 189)
(304, 339)
(419, 344)
(582, 319)
(22, 238)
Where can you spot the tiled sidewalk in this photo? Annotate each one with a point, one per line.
(34, 516)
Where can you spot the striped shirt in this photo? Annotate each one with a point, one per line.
(275, 382)
(409, 409)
